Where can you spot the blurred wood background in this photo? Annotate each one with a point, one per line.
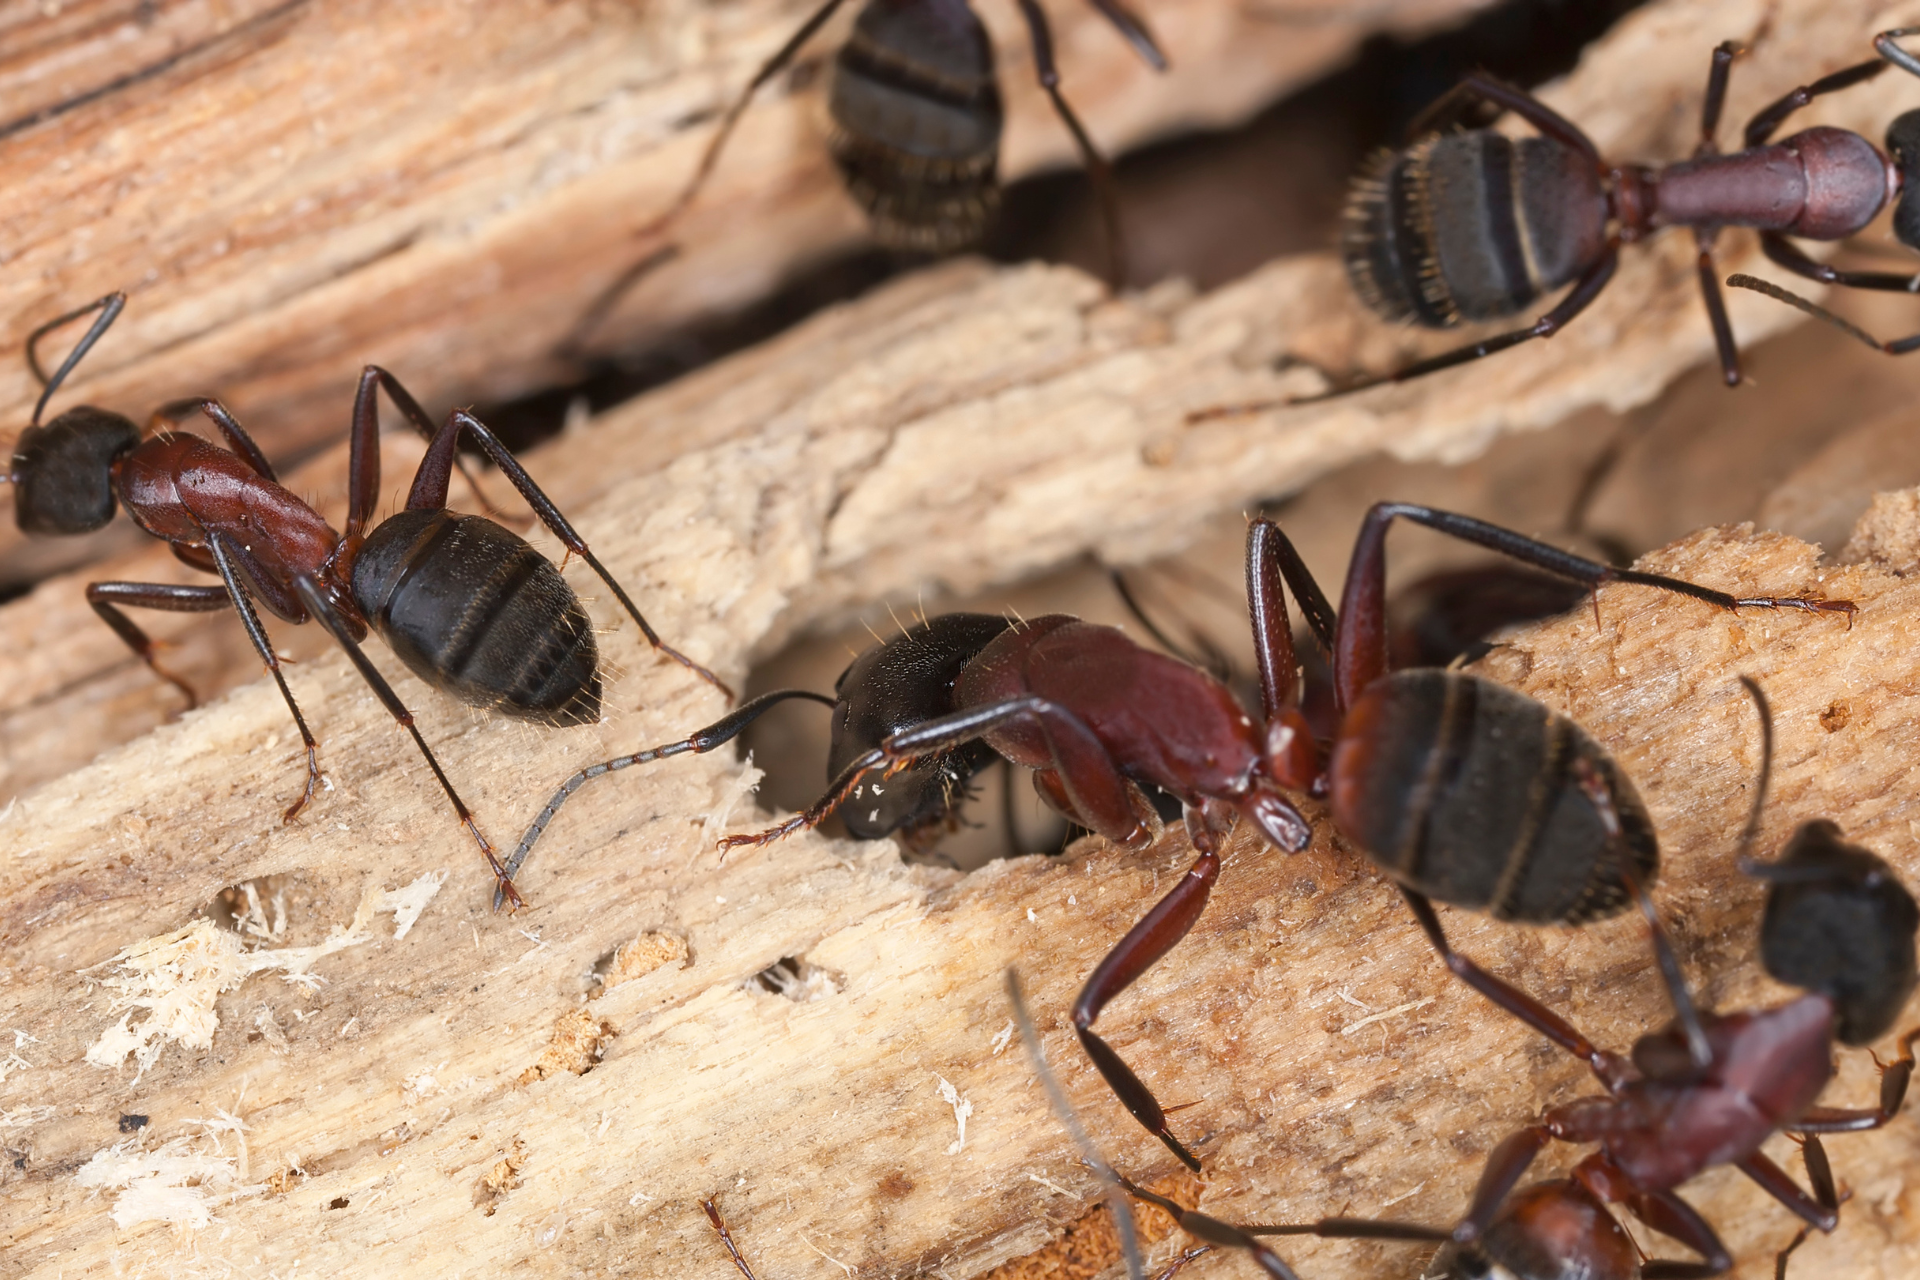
(950, 434)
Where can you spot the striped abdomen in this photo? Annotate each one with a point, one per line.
(1468, 792)
(1471, 226)
(472, 609)
(917, 115)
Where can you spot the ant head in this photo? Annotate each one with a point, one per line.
(896, 685)
(1839, 923)
(1556, 1228)
(62, 473)
(1903, 144)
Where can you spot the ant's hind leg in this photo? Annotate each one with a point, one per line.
(107, 597)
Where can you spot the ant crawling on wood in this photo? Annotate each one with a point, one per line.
(1472, 225)
(1839, 925)
(917, 118)
(468, 605)
(1461, 789)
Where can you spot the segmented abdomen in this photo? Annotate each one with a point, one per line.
(474, 610)
(1471, 226)
(1469, 793)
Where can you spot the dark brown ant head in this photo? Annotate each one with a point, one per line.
(1903, 144)
(1840, 923)
(62, 472)
(896, 685)
(1550, 1231)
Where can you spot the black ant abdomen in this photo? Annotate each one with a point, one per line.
(1471, 226)
(917, 115)
(1478, 796)
(473, 609)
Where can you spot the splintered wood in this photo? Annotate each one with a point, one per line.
(290, 190)
(242, 1046)
(561, 1090)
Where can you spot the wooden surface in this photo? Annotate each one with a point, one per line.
(975, 425)
(289, 189)
(423, 1086)
(413, 1102)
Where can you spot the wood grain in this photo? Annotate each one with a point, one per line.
(290, 189)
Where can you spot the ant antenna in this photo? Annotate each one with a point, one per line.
(1883, 44)
(1116, 1195)
(109, 308)
(1760, 704)
(1897, 347)
(1685, 1011)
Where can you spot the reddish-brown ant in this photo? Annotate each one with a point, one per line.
(468, 605)
(917, 116)
(1460, 788)
(1473, 225)
(1839, 925)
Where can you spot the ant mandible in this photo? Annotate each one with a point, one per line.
(469, 606)
(1473, 225)
(1839, 925)
(1461, 789)
(917, 115)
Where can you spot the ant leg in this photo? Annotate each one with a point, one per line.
(1270, 557)
(1780, 1258)
(109, 308)
(105, 597)
(1226, 1235)
(364, 489)
(1785, 253)
(1098, 170)
(1505, 1167)
(1814, 1210)
(1584, 291)
(1668, 1214)
(768, 70)
(1761, 127)
(1505, 995)
(1484, 88)
(1087, 774)
(1716, 96)
(726, 1237)
(1360, 657)
(429, 493)
(722, 731)
(1894, 347)
(1156, 934)
(1716, 309)
(1894, 1078)
(1133, 30)
(324, 612)
(172, 413)
(223, 559)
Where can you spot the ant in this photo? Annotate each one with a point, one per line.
(1903, 145)
(917, 118)
(1839, 925)
(469, 606)
(1461, 789)
(1473, 225)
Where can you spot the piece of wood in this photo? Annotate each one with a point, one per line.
(291, 189)
(1009, 419)
(418, 1104)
